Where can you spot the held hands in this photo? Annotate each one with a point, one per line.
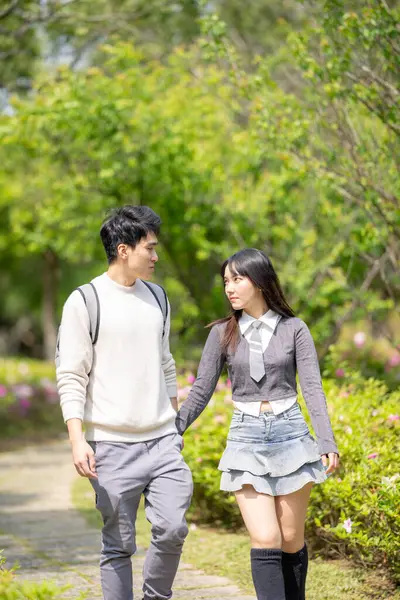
(333, 460)
(83, 457)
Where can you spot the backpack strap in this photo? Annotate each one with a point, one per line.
(161, 297)
(91, 299)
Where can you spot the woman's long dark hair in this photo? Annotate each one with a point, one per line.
(255, 265)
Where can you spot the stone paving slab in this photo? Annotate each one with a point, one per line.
(42, 532)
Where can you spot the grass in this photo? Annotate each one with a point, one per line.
(227, 554)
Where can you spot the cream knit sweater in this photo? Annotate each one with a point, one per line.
(121, 387)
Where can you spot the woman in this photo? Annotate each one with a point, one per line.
(271, 461)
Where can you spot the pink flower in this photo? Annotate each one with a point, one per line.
(344, 394)
(359, 339)
(340, 373)
(393, 418)
(199, 459)
(219, 419)
(191, 378)
(372, 455)
(183, 393)
(24, 405)
(50, 390)
(23, 391)
(3, 391)
(394, 360)
(348, 525)
(228, 383)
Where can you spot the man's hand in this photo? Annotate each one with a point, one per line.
(83, 457)
(333, 462)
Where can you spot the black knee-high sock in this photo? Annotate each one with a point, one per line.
(294, 567)
(266, 568)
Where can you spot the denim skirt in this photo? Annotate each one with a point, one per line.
(276, 454)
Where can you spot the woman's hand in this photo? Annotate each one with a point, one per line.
(333, 460)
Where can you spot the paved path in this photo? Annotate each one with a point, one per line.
(40, 529)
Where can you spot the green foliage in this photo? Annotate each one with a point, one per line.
(332, 127)
(12, 589)
(18, 53)
(42, 36)
(358, 351)
(143, 131)
(365, 494)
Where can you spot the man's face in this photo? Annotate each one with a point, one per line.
(141, 260)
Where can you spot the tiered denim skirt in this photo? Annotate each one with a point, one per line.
(276, 454)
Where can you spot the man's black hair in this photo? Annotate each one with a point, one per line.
(127, 225)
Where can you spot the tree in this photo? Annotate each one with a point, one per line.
(37, 35)
(335, 125)
(138, 142)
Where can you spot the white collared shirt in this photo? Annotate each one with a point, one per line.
(269, 322)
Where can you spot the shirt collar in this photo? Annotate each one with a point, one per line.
(270, 319)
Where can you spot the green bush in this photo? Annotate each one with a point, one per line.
(356, 512)
(359, 350)
(11, 589)
(29, 401)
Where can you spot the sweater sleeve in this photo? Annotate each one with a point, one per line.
(75, 357)
(209, 371)
(311, 387)
(168, 362)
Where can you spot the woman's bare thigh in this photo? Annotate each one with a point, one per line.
(291, 512)
(260, 518)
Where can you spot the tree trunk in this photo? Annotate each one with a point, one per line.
(50, 284)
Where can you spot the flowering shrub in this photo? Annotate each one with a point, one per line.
(359, 350)
(356, 512)
(28, 399)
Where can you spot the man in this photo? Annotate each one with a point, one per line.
(122, 386)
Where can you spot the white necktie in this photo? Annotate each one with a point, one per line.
(257, 368)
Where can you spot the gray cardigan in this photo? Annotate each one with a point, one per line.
(291, 348)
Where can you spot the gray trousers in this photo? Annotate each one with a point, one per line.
(125, 471)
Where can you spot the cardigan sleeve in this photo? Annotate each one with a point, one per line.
(209, 371)
(311, 387)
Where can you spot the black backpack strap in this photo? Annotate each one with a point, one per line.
(161, 297)
(91, 299)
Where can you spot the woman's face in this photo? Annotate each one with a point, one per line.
(240, 290)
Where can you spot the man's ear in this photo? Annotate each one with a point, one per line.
(122, 250)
